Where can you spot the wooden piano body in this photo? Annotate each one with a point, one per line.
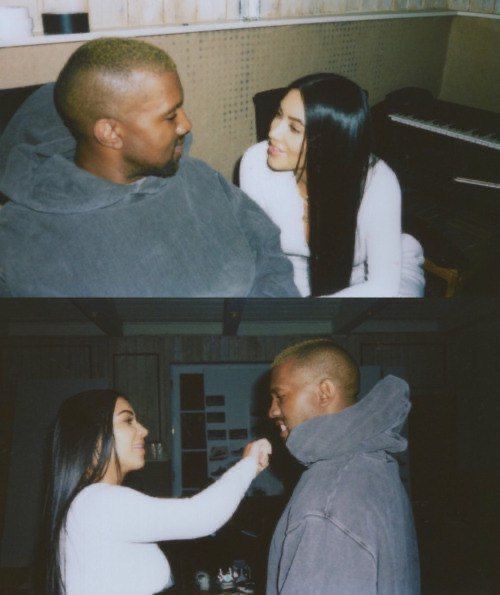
(447, 158)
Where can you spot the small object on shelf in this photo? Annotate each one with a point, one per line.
(15, 22)
(242, 575)
(65, 16)
(155, 451)
(202, 580)
(218, 453)
(152, 452)
(225, 579)
(57, 24)
(250, 9)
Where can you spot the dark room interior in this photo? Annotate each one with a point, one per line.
(159, 351)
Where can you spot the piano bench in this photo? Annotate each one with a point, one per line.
(450, 276)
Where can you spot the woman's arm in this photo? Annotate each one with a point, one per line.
(127, 515)
(379, 228)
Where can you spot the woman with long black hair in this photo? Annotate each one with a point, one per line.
(100, 537)
(337, 205)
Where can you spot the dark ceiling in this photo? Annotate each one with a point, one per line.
(118, 317)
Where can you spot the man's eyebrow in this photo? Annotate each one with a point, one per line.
(175, 107)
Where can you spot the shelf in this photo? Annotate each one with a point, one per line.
(224, 25)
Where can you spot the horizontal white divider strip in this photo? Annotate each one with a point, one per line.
(224, 25)
(481, 15)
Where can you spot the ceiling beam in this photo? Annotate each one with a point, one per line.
(353, 313)
(231, 316)
(102, 312)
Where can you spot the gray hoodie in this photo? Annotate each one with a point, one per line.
(348, 527)
(66, 232)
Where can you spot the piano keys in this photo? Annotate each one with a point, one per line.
(469, 136)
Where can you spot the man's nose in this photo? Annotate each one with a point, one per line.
(274, 410)
(184, 124)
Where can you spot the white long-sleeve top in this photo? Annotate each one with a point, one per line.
(386, 261)
(109, 546)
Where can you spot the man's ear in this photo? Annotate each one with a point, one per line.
(107, 132)
(327, 393)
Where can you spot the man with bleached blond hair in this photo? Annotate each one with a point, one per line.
(348, 527)
(104, 201)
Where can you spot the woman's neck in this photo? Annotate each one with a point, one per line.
(112, 474)
(301, 180)
(302, 187)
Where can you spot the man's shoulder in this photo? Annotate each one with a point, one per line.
(360, 480)
(368, 485)
(351, 495)
(196, 171)
(191, 164)
(207, 182)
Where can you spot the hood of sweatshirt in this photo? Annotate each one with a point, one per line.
(37, 167)
(372, 424)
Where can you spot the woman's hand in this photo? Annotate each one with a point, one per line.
(260, 450)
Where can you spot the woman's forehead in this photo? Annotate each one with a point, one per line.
(293, 105)
(122, 405)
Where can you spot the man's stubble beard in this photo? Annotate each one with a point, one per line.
(168, 170)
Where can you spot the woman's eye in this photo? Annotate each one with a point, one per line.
(295, 130)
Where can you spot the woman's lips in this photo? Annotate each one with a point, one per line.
(274, 151)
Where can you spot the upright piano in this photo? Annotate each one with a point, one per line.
(447, 158)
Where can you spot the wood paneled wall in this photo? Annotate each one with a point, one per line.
(139, 366)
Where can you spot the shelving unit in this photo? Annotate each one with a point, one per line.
(235, 24)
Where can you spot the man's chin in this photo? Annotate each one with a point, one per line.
(165, 171)
(284, 434)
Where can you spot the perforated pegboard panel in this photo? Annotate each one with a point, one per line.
(222, 70)
(472, 72)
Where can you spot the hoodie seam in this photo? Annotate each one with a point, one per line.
(338, 478)
(341, 527)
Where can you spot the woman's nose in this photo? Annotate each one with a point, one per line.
(143, 431)
(275, 130)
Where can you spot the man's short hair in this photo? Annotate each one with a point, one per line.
(96, 74)
(327, 356)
